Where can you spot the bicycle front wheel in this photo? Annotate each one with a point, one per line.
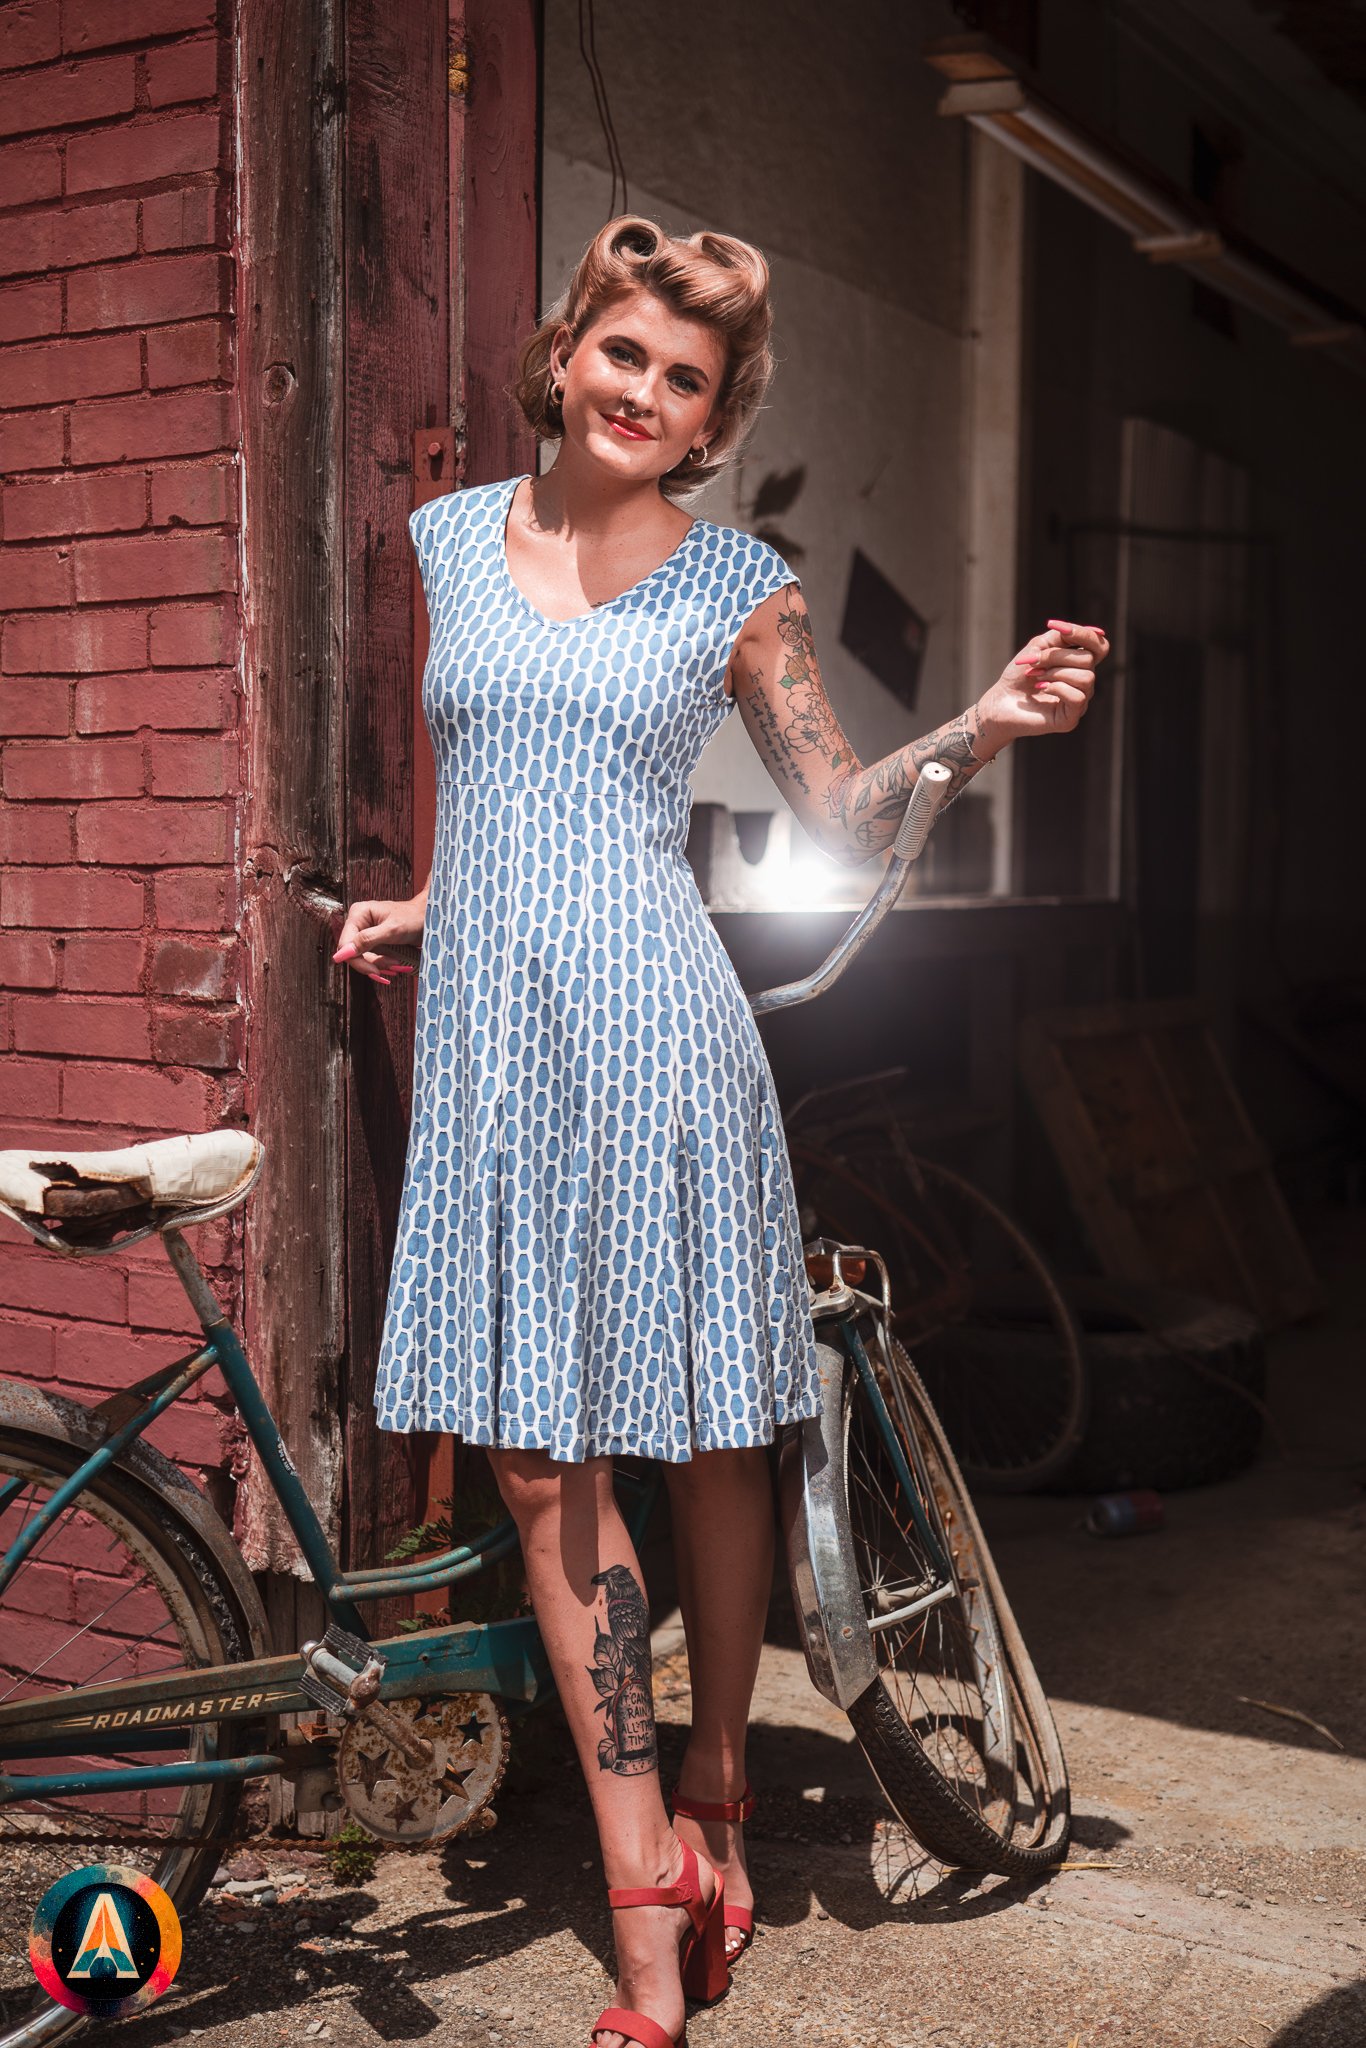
(956, 1727)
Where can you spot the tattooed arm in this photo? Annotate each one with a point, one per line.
(851, 811)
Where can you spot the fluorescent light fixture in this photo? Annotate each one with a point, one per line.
(985, 90)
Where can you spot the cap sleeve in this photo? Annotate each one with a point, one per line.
(762, 571)
(750, 572)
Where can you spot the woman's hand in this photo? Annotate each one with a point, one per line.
(383, 935)
(1046, 688)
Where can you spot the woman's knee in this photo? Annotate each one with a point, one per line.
(534, 1485)
(708, 1472)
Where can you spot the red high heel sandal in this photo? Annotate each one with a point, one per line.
(725, 1809)
(702, 1963)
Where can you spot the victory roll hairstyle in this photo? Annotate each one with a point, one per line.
(714, 278)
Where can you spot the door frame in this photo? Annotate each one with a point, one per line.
(388, 193)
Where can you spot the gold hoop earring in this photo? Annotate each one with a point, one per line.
(557, 395)
(697, 456)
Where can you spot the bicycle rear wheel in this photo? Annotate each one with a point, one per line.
(956, 1727)
(118, 1587)
(973, 1301)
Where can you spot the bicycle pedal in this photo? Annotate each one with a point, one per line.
(341, 1674)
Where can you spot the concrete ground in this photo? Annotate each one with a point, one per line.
(1225, 1898)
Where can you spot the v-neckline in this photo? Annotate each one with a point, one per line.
(597, 610)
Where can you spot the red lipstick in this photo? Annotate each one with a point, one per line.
(626, 427)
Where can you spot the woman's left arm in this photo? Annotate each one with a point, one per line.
(851, 811)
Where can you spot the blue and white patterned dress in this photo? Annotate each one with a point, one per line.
(598, 1248)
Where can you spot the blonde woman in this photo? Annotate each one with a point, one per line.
(598, 1249)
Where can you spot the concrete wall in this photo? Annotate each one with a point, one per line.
(816, 136)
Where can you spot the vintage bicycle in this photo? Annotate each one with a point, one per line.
(140, 1692)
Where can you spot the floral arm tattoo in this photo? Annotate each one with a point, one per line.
(804, 743)
(871, 802)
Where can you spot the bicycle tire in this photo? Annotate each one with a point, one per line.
(931, 1629)
(974, 1300)
(1178, 1388)
(134, 1510)
(954, 1831)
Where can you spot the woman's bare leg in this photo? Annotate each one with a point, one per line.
(588, 1592)
(723, 1546)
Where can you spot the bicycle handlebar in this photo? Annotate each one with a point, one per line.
(927, 799)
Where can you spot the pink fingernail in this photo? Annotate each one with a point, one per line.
(383, 980)
(344, 953)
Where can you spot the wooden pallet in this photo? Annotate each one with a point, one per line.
(1169, 1178)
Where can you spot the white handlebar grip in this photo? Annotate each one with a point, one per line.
(931, 788)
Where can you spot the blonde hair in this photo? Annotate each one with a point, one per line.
(714, 278)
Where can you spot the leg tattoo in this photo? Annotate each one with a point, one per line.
(621, 1672)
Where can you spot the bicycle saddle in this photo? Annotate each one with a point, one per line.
(203, 1171)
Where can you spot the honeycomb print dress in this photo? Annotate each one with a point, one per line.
(598, 1249)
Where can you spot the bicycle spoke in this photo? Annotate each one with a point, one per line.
(84, 1630)
(955, 1726)
(940, 1667)
(108, 1594)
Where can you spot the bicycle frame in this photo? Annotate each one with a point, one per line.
(505, 1658)
(502, 1657)
(837, 1633)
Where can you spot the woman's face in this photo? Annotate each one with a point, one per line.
(640, 385)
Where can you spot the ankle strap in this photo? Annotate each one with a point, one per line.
(648, 1895)
(717, 1809)
(687, 1892)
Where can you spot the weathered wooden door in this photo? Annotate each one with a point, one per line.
(493, 266)
(387, 271)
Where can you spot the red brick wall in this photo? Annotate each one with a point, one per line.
(120, 1010)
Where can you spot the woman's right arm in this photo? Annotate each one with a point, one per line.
(853, 812)
(381, 939)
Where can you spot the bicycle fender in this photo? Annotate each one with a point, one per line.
(821, 1568)
(43, 1414)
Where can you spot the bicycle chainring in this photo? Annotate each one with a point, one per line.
(410, 1804)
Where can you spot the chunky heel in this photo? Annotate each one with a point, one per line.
(741, 1918)
(706, 1973)
(702, 1960)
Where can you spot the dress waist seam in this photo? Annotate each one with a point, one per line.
(562, 789)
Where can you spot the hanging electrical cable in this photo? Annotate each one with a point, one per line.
(588, 51)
